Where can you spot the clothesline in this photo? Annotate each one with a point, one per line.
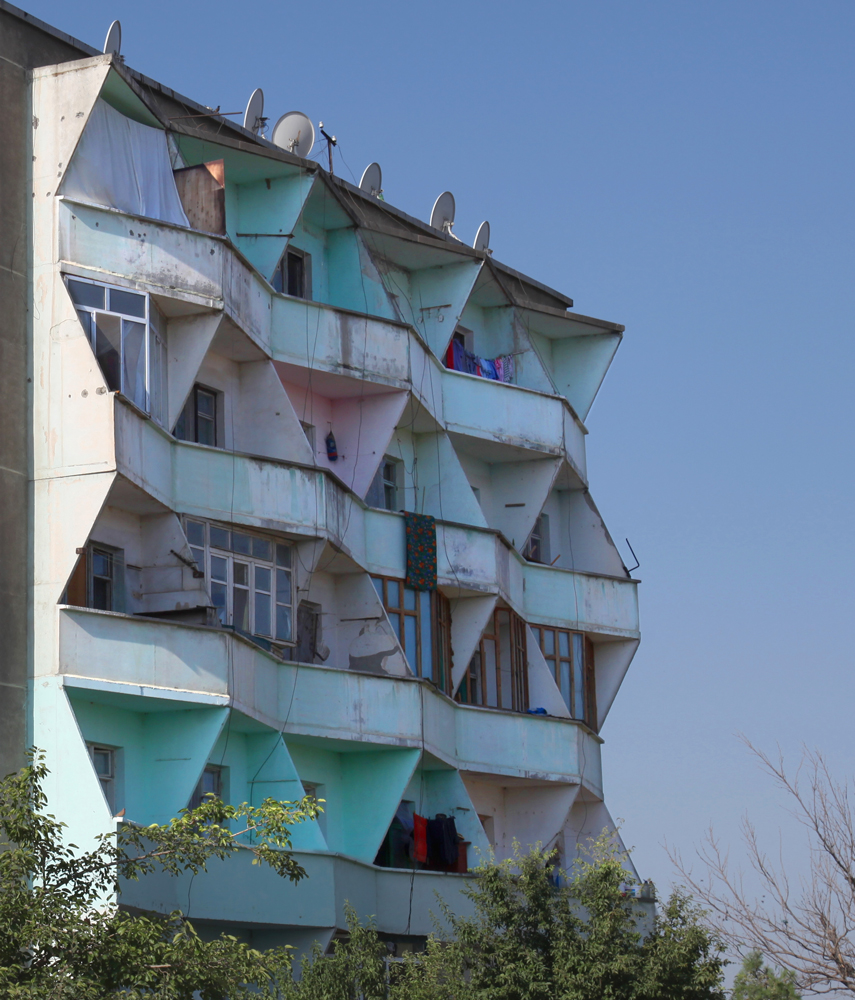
(500, 369)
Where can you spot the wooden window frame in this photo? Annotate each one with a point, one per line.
(440, 630)
(518, 652)
(554, 661)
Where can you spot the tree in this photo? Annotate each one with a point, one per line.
(808, 928)
(528, 940)
(61, 937)
(756, 981)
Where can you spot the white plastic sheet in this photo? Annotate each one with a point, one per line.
(124, 165)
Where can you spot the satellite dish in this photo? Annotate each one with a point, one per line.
(372, 179)
(482, 237)
(113, 41)
(294, 132)
(252, 118)
(442, 216)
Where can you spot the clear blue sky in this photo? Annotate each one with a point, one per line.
(685, 169)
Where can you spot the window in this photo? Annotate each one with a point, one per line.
(98, 580)
(497, 676)
(422, 622)
(537, 547)
(293, 274)
(309, 431)
(198, 420)
(211, 783)
(249, 579)
(383, 491)
(104, 762)
(570, 656)
(128, 336)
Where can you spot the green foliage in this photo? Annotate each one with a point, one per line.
(756, 981)
(528, 940)
(60, 936)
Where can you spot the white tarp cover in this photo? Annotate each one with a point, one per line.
(125, 165)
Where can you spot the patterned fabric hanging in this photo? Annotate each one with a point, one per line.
(421, 551)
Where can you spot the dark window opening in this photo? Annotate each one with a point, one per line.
(211, 783)
(497, 676)
(293, 274)
(198, 420)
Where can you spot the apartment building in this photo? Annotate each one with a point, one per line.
(307, 508)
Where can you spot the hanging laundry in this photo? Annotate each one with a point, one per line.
(508, 365)
(421, 551)
(442, 841)
(420, 850)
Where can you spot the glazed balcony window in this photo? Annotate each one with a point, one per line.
(422, 622)
(249, 579)
(497, 676)
(128, 335)
(570, 657)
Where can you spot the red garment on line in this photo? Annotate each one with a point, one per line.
(420, 838)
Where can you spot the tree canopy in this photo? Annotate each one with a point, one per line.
(61, 934)
(756, 981)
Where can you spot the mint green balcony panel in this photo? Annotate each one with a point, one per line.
(164, 747)
(314, 335)
(591, 603)
(266, 207)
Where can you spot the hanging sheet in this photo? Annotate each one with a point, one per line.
(124, 165)
(421, 551)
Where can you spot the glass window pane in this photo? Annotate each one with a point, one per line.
(102, 599)
(240, 599)
(108, 348)
(219, 568)
(86, 321)
(283, 586)
(84, 294)
(103, 760)
(426, 634)
(283, 622)
(378, 586)
(195, 532)
(548, 642)
(241, 574)
(133, 363)
(262, 614)
(262, 579)
(241, 543)
(102, 563)
(261, 548)
(578, 709)
(206, 403)
(395, 619)
(409, 599)
(199, 557)
(206, 432)
(219, 598)
(220, 538)
(564, 684)
(410, 641)
(157, 373)
(129, 303)
(492, 692)
(283, 555)
(393, 593)
(563, 643)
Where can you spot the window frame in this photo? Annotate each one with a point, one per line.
(438, 629)
(191, 410)
(116, 578)
(382, 485)
(155, 326)
(536, 548)
(474, 689)
(210, 550)
(107, 781)
(280, 280)
(198, 795)
(585, 670)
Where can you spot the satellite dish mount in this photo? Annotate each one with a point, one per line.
(372, 180)
(113, 41)
(253, 119)
(294, 132)
(442, 216)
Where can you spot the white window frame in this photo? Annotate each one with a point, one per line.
(204, 556)
(107, 781)
(153, 332)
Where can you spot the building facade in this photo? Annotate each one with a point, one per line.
(249, 398)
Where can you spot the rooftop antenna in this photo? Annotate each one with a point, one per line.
(372, 180)
(331, 141)
(294, 132)
(253, 119)
(482, 238)
(442, 216)
(113, 41)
